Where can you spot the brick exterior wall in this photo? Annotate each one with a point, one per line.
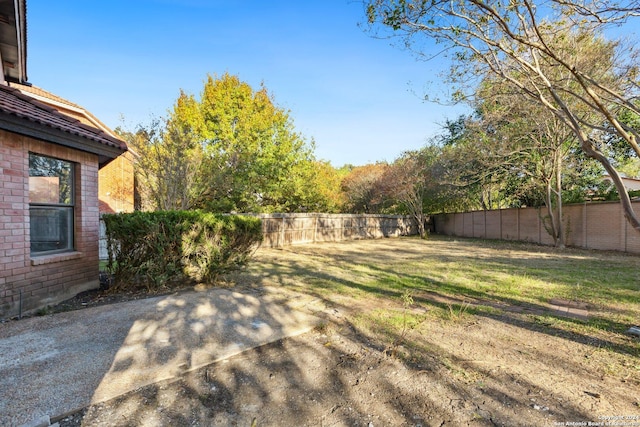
(116, 189)
(48, 279)
(599, 226)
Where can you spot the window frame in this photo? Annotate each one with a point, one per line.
(69, 208)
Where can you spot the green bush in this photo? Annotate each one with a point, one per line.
(156, 249)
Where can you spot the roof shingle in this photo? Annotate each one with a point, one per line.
(14, 102)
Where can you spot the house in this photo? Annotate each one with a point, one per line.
(49, 165)
(631, 184)
(116, 182)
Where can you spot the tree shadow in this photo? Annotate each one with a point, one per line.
(325, 378)
(442, 294)
(314, 380)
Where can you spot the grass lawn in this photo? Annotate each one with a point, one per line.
(399, 289)
(439, 332)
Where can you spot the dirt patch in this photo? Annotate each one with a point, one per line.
(506, 365)
(476, 374)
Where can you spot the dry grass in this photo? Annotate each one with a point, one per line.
(459, 280)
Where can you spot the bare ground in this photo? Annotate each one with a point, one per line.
(503, 367)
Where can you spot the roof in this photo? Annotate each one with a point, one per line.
(26, 115)
(63, 106)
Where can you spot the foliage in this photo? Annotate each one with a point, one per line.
(230, 150)
(533, 152)
(168, 165)
(253, 160)
(327, 195)
(554, 53)
(157, 248)
(407, 181)
(361, 187)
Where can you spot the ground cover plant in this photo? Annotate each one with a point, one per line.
(421, 332)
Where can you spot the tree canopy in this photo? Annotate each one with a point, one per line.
(558, 53)
(231, 149)
(254, 160)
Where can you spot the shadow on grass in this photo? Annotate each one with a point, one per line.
(389, 282)
(314, 380)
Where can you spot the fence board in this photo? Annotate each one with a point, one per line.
(297, 228)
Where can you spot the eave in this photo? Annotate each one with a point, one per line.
(36, 130)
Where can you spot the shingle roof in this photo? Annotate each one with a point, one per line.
(41, 92)
(15, 103)
(61, 104)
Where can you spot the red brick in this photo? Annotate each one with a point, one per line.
(16, 271)
(12, 239)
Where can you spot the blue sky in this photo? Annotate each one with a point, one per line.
(358, 97)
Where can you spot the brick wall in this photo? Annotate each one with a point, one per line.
(590, 225)
(116, 189)
(43, 280)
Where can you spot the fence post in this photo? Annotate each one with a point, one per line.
(485, 224)
(585, 230)
(282, 234)
(315, 226)
(625, 222)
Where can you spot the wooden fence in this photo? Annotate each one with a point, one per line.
(599, 225)
(297, 228)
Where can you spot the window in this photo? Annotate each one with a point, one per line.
(51, 204)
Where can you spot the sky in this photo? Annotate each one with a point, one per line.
(358, 97)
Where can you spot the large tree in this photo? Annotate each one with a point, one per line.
(253, 160)
(533, 152)
(545, 51)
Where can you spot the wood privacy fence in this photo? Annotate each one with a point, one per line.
(298, 228)
(589, 225)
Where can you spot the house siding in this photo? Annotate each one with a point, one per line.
(44, 280)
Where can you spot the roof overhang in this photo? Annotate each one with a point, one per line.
(45, 133)
(13, 36)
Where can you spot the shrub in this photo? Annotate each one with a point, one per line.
(155, 249)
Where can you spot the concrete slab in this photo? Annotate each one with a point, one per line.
(55, 364)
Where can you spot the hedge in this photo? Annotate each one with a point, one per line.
(157, 249)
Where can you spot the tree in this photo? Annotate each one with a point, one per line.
(520, 41)
(534, 145)
(361, 187)
(168, 166)
(326, 182)
(515, 153)
(472, 171)
(407, 181)
(252, 158)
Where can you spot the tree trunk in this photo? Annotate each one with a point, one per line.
(421, 230)
(560, 243)
(552, 228)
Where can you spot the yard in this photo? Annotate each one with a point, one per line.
(422, 332)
